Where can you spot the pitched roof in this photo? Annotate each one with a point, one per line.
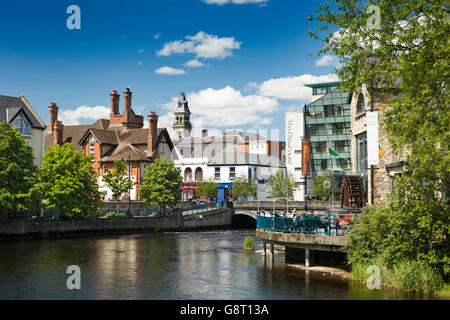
(10, 106)
(126, 151)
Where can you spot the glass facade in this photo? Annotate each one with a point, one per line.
(328, 125)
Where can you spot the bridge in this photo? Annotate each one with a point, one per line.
(250, 208)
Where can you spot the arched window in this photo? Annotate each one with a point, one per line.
(361, 105)
(188, 175)
(198, 174)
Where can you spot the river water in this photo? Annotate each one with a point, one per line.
(175, 265)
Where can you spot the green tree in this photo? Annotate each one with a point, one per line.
(243, 186)
(319, 188)
(68, 182)
(117, 180)
(161, 185)
(17, 171)
(207, 188)
(403, 61)
(281, 185)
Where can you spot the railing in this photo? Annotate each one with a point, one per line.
(329, 224)
(53, 214)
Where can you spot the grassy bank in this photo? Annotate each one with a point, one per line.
(406, 275)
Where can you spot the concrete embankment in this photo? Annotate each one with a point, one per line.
(47, 229)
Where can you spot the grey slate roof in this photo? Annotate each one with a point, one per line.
(10, 106)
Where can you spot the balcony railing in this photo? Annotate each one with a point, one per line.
(306, 223)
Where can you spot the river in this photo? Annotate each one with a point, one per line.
(174, 265)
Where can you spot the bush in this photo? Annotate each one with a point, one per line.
(249, 244)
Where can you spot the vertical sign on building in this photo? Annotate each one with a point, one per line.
(372, 138)
(306, 158)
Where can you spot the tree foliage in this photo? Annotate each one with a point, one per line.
(404, 62)
(17, 171)
(117, 180)
(207, 188)
(161, 184)
(319, 189)
(243, 186)
(68, 182)
(281, 185)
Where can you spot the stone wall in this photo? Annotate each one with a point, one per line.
(44, 229)
(390, 165)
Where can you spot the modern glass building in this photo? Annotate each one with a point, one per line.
(327, 121)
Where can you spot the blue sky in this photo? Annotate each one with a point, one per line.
(250, 58)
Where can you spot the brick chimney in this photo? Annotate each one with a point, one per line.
(152, 130)
(115, 102)
(53, 116)
(58, 129)
(127, 99)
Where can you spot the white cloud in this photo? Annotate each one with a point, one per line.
(222, 2)
(227, 107)
(292, 87)
(194, 64)
(170, 71)
(156, 36)
(327, 60)
(141, 50)
(140, 63)
(84, 112)
(202, 45)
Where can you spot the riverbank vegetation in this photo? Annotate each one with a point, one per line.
(399, 50)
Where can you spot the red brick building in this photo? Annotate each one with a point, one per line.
(121, 137)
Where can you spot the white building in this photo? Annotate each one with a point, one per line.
(294, 134)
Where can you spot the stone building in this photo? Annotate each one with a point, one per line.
(119, 138)
(378, 179)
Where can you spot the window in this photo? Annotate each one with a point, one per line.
(361, 153)
(316, 129)
(91, 148)
(298, 151)
(162, 148)
(323, 164)
(361, 105)
(329, 111)
(188, 175)
(198, 174)
(339, 111)
(22, 124)
(339, 146)
(298, 169)
(319, 146)
(232, 172)
(337, 128)
(323, 90)
(217, 173)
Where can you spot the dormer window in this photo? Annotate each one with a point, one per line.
(22, 124)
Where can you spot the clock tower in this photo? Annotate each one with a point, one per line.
(182, 126)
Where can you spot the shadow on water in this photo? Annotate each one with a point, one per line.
(173, 265)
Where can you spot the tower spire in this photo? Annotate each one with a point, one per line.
(182, 126)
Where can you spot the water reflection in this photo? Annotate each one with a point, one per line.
(200, 265)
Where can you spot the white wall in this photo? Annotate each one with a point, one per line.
(294, 134)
